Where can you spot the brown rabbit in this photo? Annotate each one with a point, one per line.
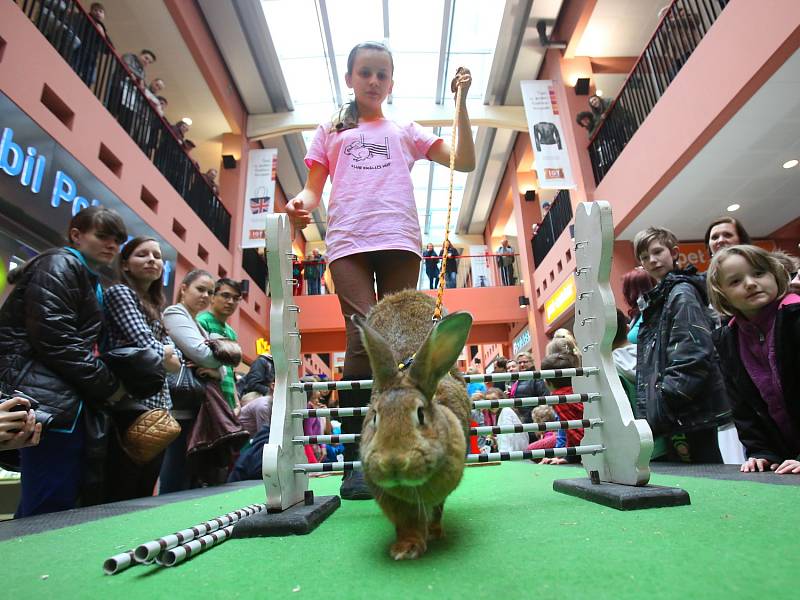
(414, 436)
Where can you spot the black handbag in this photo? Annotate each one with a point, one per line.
(141, 370)
(187, 390)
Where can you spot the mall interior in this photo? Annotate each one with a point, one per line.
(193, 118)
(697, 124)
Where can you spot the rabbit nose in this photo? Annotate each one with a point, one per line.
(393, 464)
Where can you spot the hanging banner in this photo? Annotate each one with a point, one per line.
(482, 274)
(259, 196)
(551, 158)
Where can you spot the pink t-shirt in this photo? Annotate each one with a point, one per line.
(372, 203)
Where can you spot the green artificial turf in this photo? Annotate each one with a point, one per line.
(509, 535)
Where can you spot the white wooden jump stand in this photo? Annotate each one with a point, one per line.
(616, 447)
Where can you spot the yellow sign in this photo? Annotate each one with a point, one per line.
(560, 300)
(262, 346)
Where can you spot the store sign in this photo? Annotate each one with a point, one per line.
(562, 299)
(31, 166)
(522, 342)
(696, 253)
(42, 186)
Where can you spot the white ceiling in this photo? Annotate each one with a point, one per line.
(620, 27)
(741, 164)
(133, 26)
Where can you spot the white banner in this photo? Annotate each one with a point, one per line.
(481, 271)
(259, 195)
(551, 158)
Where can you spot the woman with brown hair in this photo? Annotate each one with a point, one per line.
(133, 318)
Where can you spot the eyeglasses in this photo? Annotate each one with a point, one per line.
(230, 297)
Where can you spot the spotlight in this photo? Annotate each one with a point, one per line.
(791, 163)
(733, 207)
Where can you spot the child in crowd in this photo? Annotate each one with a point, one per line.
(476, 386)
(679, 385)
(635, 283)
(759, 352)
(256, 411)
(477, 418)
(545, 439)
(561, 386)
(373, 237)
(506, 417)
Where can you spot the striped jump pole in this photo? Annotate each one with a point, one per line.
(347, 465)
(178, 554)
(526, 427)
(537, 401)
(535, 454)
(344, 438)
(306, 413)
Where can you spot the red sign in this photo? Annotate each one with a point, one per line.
(696, 253)
(554, 173)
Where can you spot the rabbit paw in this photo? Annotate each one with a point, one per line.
(435, 531)
(408, 549)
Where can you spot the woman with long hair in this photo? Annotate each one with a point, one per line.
(133, 319)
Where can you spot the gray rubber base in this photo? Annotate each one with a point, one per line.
(296, 520)
(623, 497)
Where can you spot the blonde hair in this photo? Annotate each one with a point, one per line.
(757, 258)
(543, 414)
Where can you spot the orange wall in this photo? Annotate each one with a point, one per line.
(28, 62)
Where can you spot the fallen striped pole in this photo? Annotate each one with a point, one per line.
(148, 551)
(178, 554)
(534, 454)
(537, 401)
(549, 426)
(118, 563)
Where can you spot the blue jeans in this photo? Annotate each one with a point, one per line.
(174, 476)
(52, 472)
(450, 278)
(312, 286)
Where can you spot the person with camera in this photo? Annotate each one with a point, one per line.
(49, 328)
(18, 426)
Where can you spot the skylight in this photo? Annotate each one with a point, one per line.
(305, 32)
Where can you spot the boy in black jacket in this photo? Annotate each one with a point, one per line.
(680, 390)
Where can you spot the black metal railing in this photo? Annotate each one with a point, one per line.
(87, 50)
(679, 32)
(554, 223)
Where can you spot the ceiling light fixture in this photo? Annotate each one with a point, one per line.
(791, 163)
(599, 93)
(733, 207)
(187, 120)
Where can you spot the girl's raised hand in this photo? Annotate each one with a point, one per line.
(463, 78)
(299, 216)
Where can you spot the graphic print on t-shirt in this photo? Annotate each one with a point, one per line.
(361, 150)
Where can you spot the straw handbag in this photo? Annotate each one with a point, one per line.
(149, 435)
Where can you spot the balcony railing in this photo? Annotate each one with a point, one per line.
(72, 32)
(679, 32)
(554, 223)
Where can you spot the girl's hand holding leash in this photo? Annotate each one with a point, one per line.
(463, 78)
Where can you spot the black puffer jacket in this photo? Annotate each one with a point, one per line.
(259, 377)
(48, 329)
(757, 431)
(527, 389)
(679, 382)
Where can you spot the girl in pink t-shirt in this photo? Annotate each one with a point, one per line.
(373, 238)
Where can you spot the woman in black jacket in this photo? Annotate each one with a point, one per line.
(49, 327)
(431, 266)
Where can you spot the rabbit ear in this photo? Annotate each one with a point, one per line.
(439, 351)
(381, 358)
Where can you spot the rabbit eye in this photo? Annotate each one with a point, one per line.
(420, 416)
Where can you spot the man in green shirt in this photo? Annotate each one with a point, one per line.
(226, 298)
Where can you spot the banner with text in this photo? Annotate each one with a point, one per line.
(259, 196)
(550, 157)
